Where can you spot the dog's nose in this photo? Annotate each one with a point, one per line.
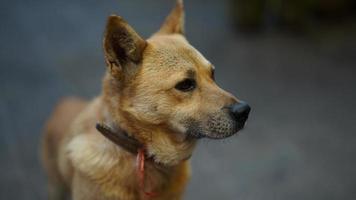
(240, 112)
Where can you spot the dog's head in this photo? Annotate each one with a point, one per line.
(164, 83)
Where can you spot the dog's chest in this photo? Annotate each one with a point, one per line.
(113, 171)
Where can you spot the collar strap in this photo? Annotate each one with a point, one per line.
(130, 144)
(120, 138)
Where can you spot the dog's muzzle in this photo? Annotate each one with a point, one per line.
(222, 124)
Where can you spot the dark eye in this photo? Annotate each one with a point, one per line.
(213, 74)
(186, 85)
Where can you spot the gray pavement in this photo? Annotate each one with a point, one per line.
(300, 141)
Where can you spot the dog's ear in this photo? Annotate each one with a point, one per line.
(174, 23)
(122, 45)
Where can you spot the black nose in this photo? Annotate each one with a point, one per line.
(240, 112)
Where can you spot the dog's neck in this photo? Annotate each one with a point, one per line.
(130, 144)
(161, 147)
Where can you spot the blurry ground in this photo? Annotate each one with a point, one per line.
(300, 142)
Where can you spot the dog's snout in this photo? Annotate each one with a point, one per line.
(240, 112)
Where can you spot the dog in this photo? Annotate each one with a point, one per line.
(134, 140)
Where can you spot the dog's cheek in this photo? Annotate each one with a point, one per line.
(177, 126)
(145, 115)
(148, 113)
(194, 128)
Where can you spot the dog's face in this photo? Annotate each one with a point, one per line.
(165, 82)
(175, 86)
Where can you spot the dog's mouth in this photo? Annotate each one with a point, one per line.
(215, 136)
(214, 130)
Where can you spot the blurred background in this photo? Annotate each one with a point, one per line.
(294, 61)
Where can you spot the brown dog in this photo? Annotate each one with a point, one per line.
(158, 98)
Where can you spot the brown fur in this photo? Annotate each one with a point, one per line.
(139, 95)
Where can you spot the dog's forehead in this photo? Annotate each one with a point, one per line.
(174, 52)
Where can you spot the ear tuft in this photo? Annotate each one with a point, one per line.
(121, 43)
(174, 23)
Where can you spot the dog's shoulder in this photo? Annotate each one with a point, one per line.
(96, 158)
(89, 151)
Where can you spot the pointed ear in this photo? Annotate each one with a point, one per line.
(121, 43)
(174, 22)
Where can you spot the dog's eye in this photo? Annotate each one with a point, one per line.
(213, 74)
(186, 85)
